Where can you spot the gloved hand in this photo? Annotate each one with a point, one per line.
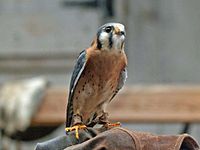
(118, 139)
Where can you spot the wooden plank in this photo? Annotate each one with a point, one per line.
(53, 108)
(163, 104)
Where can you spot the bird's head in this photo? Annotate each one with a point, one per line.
(111, 36)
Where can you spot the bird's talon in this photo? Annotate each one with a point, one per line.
(76, 128)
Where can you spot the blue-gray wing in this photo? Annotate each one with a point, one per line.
(122, 80)
(78, 69)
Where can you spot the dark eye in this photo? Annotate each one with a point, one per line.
(108, 29)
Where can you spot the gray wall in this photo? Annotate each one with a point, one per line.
(162, 45)
(164, 41)
(46, 28)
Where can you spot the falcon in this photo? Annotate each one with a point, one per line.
(99, 73)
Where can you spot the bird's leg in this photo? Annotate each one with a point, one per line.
(76, 125)
(76, 128)
(104, 120)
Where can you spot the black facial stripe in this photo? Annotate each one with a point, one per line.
(102, 29)
(110, 39)
(99, 45)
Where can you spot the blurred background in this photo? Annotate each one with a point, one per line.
(43, 38)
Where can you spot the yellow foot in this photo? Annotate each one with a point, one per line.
(111, 125)
(76, 128)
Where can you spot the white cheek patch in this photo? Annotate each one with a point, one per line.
(104, 39)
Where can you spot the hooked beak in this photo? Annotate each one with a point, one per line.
(118, 32)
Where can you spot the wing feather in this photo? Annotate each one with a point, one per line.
(78, 69)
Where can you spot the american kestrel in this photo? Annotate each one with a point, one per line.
(99, 73)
